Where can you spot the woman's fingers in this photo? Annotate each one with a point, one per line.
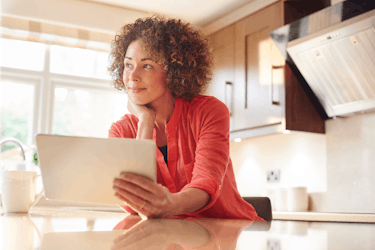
(132, 188)
(143, 195)
(138, 204)
(129, 197)
(140, 181)
(141, 205)
(158, 195)
(140, 111)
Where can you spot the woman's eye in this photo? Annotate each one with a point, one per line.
(128, 65)
(147, 66)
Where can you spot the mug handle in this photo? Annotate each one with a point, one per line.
(38, 197)
(36, 229)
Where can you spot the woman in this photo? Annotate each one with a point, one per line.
(164, 65)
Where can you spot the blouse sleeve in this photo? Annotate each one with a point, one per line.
(126, 127)
(210, 123)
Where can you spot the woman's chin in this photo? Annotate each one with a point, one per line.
(138, 101)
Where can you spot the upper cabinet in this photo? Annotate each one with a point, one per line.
(250, 76)
(221, 86)
(259, 73)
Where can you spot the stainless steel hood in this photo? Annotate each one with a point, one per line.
(334, 50)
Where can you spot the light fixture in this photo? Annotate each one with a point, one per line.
(286, 131)
(237, 140)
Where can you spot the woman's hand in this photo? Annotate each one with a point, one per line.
(146, 119)
(142, 112)
(144, 196)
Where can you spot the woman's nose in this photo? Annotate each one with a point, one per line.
(134, 74)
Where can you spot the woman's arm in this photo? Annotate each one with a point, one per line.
(190, 200)
(210, 127)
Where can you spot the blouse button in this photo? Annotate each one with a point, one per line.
(219, 187)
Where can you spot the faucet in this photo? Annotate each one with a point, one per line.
(14, 140)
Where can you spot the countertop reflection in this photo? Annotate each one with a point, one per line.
(58, 228)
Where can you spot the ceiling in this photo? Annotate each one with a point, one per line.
(197, 12)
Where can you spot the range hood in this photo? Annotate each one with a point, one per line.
(334, 51)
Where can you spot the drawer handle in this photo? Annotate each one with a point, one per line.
(229, 96)
(275, 93)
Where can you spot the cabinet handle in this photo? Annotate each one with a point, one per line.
(275, 93)
(229, 96)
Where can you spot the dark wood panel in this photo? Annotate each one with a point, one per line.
(303, 112)
(297, 9)
(300, 113)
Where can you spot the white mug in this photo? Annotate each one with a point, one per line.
(18, 191)
(297, 199)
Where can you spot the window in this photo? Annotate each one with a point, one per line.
(55, 89)
(22, 55)
(79, 62)
(85, 112)
(17, 111)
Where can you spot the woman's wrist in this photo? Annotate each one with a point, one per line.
(189, 200)
(145, 129)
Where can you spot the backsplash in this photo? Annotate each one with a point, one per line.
(337, 168)
(350, 166)
(300, 157)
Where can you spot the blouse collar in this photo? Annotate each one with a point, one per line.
(178, 102)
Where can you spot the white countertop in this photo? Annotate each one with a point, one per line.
(62, 228)
(324, 217)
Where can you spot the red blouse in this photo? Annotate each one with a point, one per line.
(198, 156)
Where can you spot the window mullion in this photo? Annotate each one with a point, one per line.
(45, 97)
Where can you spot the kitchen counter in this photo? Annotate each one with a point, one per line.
(324, 217)
(62, 228)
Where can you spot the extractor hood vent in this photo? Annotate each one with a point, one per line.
(336, 57)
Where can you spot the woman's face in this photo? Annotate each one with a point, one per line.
(144, 79)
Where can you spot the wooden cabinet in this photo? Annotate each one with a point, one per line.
(259, 74)
(221, 86)
(251, 77)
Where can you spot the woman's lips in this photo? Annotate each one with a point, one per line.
(135, 90)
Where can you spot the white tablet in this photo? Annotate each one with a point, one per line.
(82, 169)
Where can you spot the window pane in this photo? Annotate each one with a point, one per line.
(79, 62)
(22, 54)
(17, 112)
(85, 112)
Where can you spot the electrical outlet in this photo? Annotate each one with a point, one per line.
(273, 175)
(273, 244)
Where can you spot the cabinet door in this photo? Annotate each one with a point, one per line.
(221, 86)
(259, 72)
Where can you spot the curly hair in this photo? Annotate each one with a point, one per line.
(181, 49)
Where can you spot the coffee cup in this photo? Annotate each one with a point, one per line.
(18, 190)
(297, 199)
